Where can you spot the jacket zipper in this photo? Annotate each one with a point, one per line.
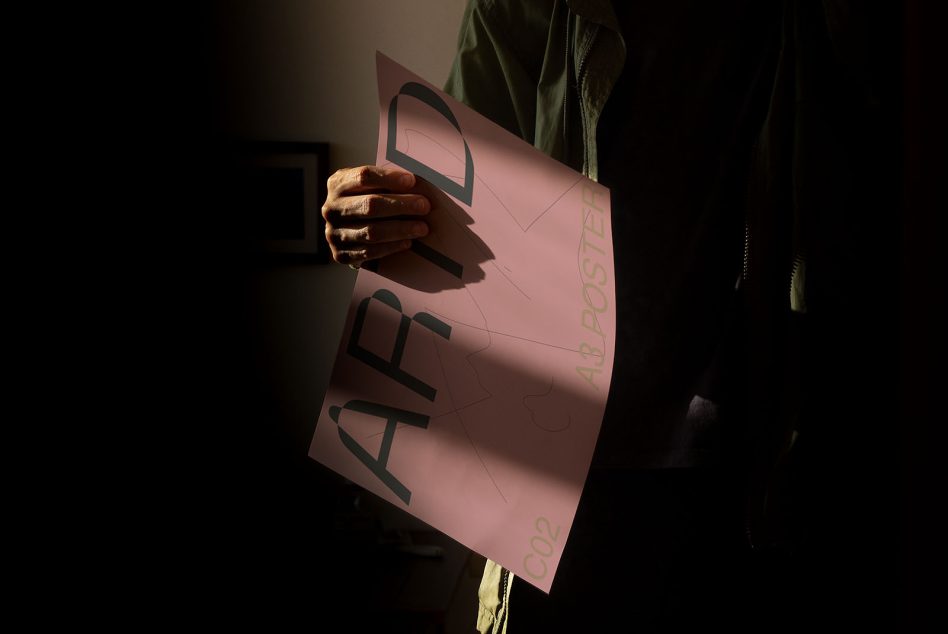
(579, 95)
(565, 123)
(746, 268)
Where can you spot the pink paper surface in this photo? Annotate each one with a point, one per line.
(472, 377)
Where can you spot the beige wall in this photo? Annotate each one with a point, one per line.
(305, 69)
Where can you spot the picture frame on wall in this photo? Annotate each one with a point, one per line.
(277, 188)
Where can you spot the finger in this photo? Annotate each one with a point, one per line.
(357, 257)
(358, 209)
(369, 177)
(376, 232)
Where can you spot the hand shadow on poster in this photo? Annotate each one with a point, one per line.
(449, 257)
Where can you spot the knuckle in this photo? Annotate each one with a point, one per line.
(363, 175)
(369, 233)
(354, 256)
(333, 181)
(339, 236)
(372, 205)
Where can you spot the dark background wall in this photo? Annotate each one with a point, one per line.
(178, 377)
(283, 532)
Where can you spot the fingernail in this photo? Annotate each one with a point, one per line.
(421, 204)
(419, 229)
(407, 180)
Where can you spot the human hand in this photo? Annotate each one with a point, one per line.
(371, 212)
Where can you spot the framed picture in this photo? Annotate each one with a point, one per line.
(277, 188)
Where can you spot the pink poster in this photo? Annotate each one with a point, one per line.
(472, 376)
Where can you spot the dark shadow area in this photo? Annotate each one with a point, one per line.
(923, 315)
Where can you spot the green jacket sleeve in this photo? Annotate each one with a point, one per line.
(490, 72)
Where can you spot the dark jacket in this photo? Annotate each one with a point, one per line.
(814, 311)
